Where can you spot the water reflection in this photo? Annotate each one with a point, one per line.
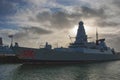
(92, 71)
(7, 70)
(51, 72)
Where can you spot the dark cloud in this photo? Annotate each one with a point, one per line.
(101, 16)
(36, 30)
(102, 23)
(67, 2)
(63, 19)
(117, 3)
(31, 32)
(6, 8)
(21, 35)
(43, 17)
(90, 12)
(58, 20)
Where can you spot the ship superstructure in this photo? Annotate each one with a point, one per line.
(82, 45)
(5, 50)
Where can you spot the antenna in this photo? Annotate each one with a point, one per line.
(70, 38)
(1, 43)
(96, 36)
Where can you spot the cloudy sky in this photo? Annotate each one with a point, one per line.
(33, 22)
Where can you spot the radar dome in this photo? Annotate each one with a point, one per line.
(81, 23)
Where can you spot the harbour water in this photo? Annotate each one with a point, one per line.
(91, 71)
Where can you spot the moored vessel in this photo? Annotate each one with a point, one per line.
(7, 55)
(79, 51)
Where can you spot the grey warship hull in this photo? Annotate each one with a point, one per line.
(46, 55)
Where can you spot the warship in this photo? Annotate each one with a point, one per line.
(81, 50)
(7, 55)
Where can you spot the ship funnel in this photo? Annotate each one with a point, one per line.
(1, 43)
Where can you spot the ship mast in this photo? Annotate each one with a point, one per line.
(96, 36)
(1, 43)
(11, 37)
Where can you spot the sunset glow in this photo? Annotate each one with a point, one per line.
(32, 21)
(74, 30)
(89, 30)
